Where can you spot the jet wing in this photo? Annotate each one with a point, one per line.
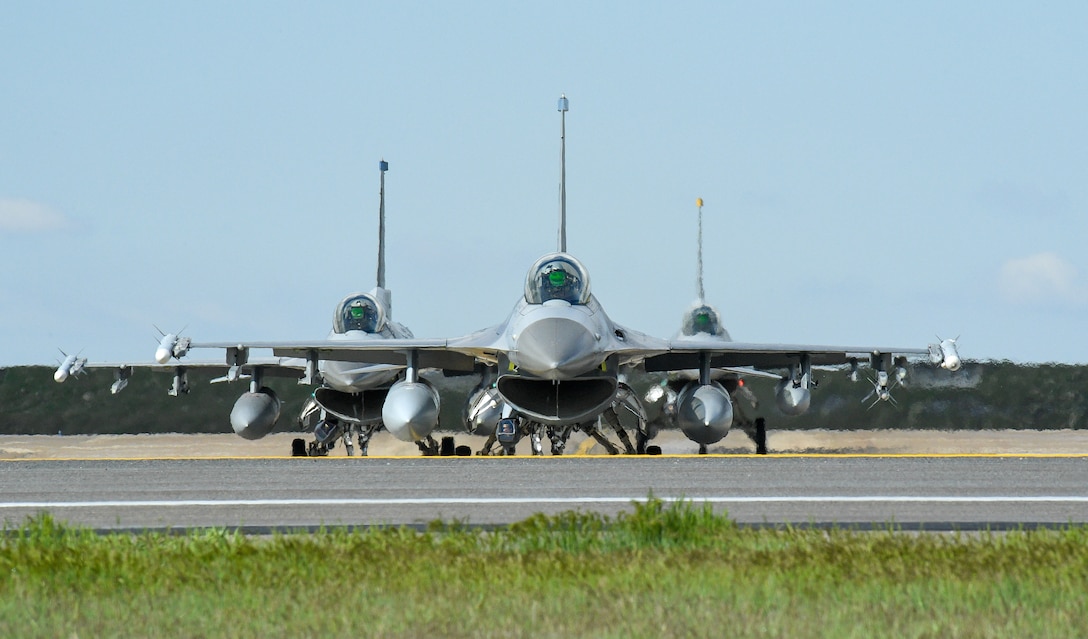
(430, 353)
(635, 347)
(122, 371)
(453, 354)
(276, 366)
(689, 353)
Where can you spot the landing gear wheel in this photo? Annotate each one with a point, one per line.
(448, 448)
(298, 447)
(702, 449)
(760, 437)
(463, 451)
(653, 449)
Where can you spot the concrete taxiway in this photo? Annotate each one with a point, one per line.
(926, 491)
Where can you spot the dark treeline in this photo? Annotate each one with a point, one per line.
(987, 395)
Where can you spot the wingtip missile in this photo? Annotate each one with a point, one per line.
(72, 365)
(171, 345)
(946, 354)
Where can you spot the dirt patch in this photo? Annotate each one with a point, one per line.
(808, 441)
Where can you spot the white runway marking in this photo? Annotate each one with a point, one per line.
(573, 501)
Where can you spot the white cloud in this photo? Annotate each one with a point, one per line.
(28, 216)
(1042, 278)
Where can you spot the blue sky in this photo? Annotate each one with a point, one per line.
(873, 174)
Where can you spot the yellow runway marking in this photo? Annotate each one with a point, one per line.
(583, 448)
(581, 452)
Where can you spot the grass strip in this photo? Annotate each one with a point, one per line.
(675, 569)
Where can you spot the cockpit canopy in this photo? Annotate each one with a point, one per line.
(359, 312)
(702, 319)
(557, 276)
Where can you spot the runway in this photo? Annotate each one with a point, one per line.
(927, 492)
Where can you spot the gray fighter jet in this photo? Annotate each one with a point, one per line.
(351, 394)
(556, 360)
(707, 370)
(348, 400)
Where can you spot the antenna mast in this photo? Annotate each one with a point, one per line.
(699, 203)
(564, 105)
(383, 166)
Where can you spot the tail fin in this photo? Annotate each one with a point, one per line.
(699, 281)
(564, 106)
(383, 166)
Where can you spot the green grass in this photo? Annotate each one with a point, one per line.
(663, 569)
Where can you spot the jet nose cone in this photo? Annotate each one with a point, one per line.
(60, 375)
(556, 348)
(163, 354)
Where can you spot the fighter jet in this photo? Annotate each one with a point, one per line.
(351, 393)
(708, 418)
(348, 400)
(556, 359)
(707, 370)
(554, 362)
(714, 417)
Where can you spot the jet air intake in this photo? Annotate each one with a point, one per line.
(558, 402)
(356, 408)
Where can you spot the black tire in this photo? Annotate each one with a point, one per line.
(298, 447)
(463, 451)
(761, 436)
(447, 448)
(653, 449)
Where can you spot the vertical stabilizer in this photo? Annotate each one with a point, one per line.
(564, 105)
(383, 166)
(699, 280)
